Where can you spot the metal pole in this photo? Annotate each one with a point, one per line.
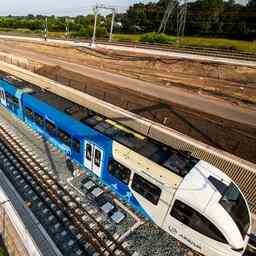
(95, 27)
(112, 25)
(67, 29)
(46, 29)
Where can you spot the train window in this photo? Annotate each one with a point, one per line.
(111, 131)
(64, 137)
(12, 99)
(130, 140)
(39, 120)
(196, 221)
(146, 189)
(29, 113)
(97, 157)
(15, 101)
(234, 203)
(160, 155)
(86, 113)
(119, 171)
(8, 96)
(76, 145)
(73, 110)
(93, 120)
(89, 152)
(50, 127)
(222, 187)
(102, 126)
(178, 162)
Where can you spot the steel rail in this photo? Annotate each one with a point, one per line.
(12, 147)
(30, 183)
(214, 52)
(205, 51)
(105, 243)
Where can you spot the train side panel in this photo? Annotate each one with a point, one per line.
(10, 98)
(73, 130)
(151, 186)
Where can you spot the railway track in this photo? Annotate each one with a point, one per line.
(204, 51)
(15, 160)
(25, 172)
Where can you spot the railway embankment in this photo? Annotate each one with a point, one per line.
(218, 131)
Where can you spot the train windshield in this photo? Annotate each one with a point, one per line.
(234, 203)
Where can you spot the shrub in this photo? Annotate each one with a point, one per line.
(157, 38)
(88, 32)
(84, 32)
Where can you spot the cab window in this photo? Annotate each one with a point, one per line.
(191, 218)
(119, 171)
(146, 189)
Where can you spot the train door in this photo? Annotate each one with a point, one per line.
(2, 97)
(93, 158)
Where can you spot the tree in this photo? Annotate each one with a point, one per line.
(216, 18)
(251, 4)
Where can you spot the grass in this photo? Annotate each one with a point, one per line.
(31, 32)
(126, 37)
(2, 252)
(229, 44)
(244, 46)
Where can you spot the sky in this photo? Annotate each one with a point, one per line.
(62, 7)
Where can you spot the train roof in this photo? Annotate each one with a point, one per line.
(18, 83)
(177, 161)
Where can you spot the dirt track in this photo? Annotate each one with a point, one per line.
(232, 137)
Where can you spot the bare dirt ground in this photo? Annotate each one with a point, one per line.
(236, 85)
(229, 136)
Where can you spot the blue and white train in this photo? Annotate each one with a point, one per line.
(188, 198)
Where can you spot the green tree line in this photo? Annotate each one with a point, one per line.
(78, 26)
(214, 18)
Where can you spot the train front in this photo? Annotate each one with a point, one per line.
(221, 221)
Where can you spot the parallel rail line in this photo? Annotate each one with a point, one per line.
(204, 51)
(91, 230)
